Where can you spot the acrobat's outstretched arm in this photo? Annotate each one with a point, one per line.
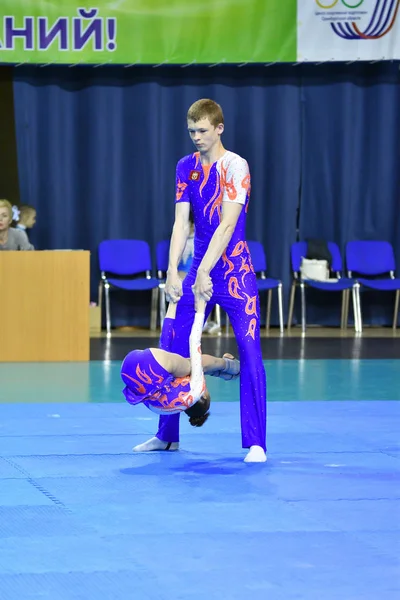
(197, 383)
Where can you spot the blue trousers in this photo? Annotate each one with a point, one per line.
(238, 296)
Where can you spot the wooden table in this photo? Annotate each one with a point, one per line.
(44, 306)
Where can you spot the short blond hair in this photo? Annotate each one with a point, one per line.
(206, 109)
(25, 210)
(7, 205)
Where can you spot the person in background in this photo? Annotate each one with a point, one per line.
(10, 238)
(27, 218)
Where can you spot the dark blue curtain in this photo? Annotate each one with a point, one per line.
(350, 167)
(97, 150)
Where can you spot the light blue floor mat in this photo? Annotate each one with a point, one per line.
(82, 518)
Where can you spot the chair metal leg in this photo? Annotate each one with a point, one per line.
(100, 301)
(291, 304)
(153, 314)
(163, 304)
(280, 307)
(303, 306)
(100, 294)
(268, 316)
(396, 309)
(107, 298)
(357, 308)
(342, 317)
(346, 310)
(218, 315)
(227, 324)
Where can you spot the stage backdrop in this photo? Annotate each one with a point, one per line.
(97, 150)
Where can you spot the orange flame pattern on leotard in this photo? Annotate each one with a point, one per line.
(244, 267)
(233, 287)
(251, 305)
(180, 188)
(252, 328)
(238, 249)
(228, 263)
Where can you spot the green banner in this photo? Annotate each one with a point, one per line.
(148, 31)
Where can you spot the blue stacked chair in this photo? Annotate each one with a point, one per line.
(264, 283)
(126, 265)
(374, 259)
(337, 284)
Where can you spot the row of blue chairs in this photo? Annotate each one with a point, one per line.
(121, 261)
(370, 265)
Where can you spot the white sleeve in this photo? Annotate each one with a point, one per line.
(237, 180)
(197, 375)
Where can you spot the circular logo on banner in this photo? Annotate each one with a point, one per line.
(345, 20)
(333, 4)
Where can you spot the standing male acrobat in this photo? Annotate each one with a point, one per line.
(215, 183)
